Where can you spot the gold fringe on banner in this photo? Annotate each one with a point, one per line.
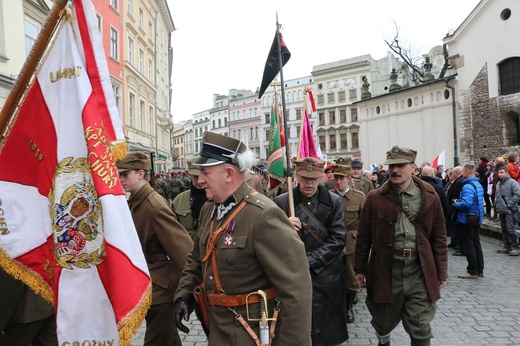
(119, 149)
(129, 324)
(27, 276)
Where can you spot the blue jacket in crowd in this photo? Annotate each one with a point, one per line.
(468, 203)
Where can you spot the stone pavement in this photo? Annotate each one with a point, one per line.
(471, 312)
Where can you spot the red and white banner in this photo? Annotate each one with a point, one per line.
(68, 231)
(439, 160)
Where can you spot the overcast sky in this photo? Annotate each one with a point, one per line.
(222, 45)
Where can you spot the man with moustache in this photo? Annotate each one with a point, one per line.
(401, 251)
(319, 221)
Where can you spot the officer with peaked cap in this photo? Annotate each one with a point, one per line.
(319, 222)
(165, 245)
(360, 182)
(244, 244)
(352, 201)
(401, 251)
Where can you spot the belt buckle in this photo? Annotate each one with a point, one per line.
(407, 253)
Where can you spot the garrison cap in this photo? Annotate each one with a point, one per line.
(217, 149)
(340, 169)
(192, 169)
(134, 160)
(398, 155)
(309, 167)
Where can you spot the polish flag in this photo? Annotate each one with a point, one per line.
(439, 160)
(68, 231)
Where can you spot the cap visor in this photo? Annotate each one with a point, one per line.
(206, 161)
(396, 161)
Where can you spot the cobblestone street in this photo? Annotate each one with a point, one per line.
(471, 312)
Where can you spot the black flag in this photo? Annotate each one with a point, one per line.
(272, 65)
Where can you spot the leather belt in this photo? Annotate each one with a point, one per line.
(216, 299)
(405, 253)
(157, 258)
(352, 227)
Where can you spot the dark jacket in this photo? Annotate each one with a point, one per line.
(374, 246)
(439, 189)
(329, 325)
(508, 196)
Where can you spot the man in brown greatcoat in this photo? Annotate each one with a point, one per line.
(165, 244)
(401, 250)
(244, 244)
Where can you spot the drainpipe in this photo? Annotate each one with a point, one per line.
(454, 116)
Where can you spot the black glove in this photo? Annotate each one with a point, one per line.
(182, 309)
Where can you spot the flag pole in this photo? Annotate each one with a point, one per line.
(289, 173)
(32, 61)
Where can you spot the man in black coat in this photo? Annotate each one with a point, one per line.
(453, 189)
(428, 175)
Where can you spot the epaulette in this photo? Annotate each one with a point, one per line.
(155, 199)
(256, 200)
(359, 191)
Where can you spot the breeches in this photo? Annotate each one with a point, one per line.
(410, 302)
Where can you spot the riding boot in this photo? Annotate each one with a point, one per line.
(424, 342)
(350, 307)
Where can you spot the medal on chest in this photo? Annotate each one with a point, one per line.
(229, 232)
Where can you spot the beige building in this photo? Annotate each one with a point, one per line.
(178, 152)
(20, 21)
(147, 70)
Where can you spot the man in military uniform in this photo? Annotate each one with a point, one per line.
(353, 201)
(358, 180)
(245, 244)
(187, 204)
(165, 245)
(401, 250)
(319, 221)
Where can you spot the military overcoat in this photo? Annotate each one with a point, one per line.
(160, 235)
(375, 241)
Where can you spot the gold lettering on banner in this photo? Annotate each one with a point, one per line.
(102, 160)
(4, 229)
(34, 148)
(89, 343)
(67, 72)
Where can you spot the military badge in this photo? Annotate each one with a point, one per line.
(310, 164)
(229, 231)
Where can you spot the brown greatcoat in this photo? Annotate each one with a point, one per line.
(264, 252)
(375, 242)
(160, 234)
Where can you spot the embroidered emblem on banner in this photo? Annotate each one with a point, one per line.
(76, 215)
(229, 231)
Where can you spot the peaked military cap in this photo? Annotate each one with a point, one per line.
(309, 167)
(341, 169)
(356, 163)
(217, 149)
(192, 169)
(398, 155)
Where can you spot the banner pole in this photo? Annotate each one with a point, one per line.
(32, 61)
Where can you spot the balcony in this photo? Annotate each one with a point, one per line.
(164, 120)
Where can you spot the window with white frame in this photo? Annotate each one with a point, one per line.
(32, 30)
(131, 109)
(113, 4)
(114, 43)
(130, 51)
(142, 115)
(141, 61)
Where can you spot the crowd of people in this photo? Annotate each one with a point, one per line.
(284, 266)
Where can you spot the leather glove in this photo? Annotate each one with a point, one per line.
(182, 309)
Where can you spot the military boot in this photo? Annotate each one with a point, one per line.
(415, 342)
